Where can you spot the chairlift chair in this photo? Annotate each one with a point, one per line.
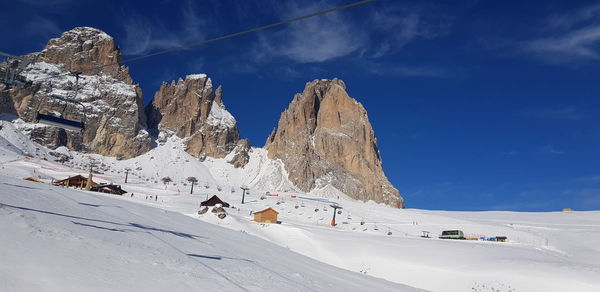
(59, 122)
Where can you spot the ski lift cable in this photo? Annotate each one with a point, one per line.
(227, 36)
(8, 55)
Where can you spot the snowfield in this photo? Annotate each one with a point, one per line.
(152, 238)
(57, 239)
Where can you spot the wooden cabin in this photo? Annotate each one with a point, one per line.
(213, 201)
(33, 179)
(77, 181)
(109, 189)
(268, 215)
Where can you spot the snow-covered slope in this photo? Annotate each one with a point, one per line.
(13, 143)
(57, 239)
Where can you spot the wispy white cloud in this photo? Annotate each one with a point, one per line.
(572, 36)
(143, 35)
(574, 18)
(549, 149)
(379, 33)
(562, 113)
(588, 179)
(42, 27)
(396, 26)
(582, 43)
(377, 68)
(313, 40)
(509, 153)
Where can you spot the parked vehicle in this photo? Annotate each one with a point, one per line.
(452, 234)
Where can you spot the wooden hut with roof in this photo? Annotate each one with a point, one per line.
(268, 215)
(213, 201)
(77, 181)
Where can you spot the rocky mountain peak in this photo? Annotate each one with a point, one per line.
(190, 109)
(324, 138)
(87, 50)
(110, 105)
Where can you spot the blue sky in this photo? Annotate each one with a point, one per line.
(477, 105)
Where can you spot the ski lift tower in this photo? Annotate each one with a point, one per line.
(244, 189)
(11, 69)
(335, 210)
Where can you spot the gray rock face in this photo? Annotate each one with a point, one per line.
(111, 106)
(325, 138)
(191, 110)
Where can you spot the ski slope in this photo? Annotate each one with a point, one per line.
(546, 251)
(58, 239)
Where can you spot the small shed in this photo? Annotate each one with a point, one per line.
(109, 189)
(213, 201)
(77, 181)
(268, 215)
(33, 179)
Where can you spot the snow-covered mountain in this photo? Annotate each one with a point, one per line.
(84, 64)
(110, 105)
(65, 239)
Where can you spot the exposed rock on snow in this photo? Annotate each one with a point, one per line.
(112, 105)
(325, 138)
(190, 109)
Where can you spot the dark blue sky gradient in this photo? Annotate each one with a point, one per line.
(477, 105)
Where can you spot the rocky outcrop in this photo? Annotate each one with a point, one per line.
(86, 50)
(110, 106)
(191, 110)
(325, 138)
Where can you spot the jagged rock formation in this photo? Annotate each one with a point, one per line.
(112, 109)
(191, 110)
(325, 138)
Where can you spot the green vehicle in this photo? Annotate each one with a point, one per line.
(452, 234)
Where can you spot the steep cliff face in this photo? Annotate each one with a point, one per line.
(111, 106)
(325, 138)
(86, 50)
(191, 110)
